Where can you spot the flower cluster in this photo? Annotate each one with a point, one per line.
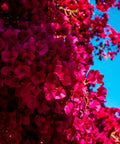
(46, 95)
(104, 5)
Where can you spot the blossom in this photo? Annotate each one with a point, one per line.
(28, 58)
(9, 56)
(68, 108)
(58, 93)
(63, 74)
(94, 77)
(43, 108)
(46, 93)
(5, 7)
(42, 47)
(53, 89)
(22, 70)
(38, 77)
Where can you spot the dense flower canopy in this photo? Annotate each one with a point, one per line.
(46, 88)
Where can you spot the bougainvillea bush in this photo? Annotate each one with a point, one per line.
(46, 88)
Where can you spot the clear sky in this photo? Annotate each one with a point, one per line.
(111, 69)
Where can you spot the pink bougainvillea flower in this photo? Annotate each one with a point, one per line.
(100, 78)
(94, 76)
(29, 46)
(77, 123)
(30, 101)
(35, 90)
(43, 108)
(5, 7)
(104, 5)
(52, 81)
(112, 53)
(38, 77)
(39, 120)
(94, 104)
(53, 89)
(46, 95)
(21, 70)
(73, 135)
(42, 47)
(58, 93)
(9, 76)
(28, 58)
(101, 93)
(63, 73)
(7, 70)
(9, 56)
(68, 108)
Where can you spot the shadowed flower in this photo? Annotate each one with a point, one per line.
(9, 56)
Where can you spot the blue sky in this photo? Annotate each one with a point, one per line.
(111, 69)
